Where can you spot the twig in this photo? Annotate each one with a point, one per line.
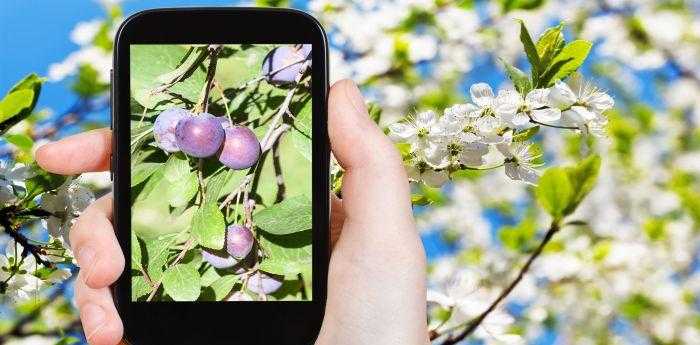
(554, 126)
(211, 71)
(472, 325)
(271, 136)
(29, 248)
(188, 246)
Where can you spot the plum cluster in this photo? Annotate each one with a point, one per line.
(237, 256)
(205, 135)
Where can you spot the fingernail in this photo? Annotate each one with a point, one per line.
(353, 93)
(86, 260)
(93, 317)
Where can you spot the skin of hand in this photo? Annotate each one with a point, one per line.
(377, 272)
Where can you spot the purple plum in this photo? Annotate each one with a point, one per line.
(225, 123)
(199, 136)
(239, 296)
(239, 241)
(264, 283)
(164, 128)
(219, 259)
(241, 148)
(282, 64)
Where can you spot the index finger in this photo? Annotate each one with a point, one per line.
(84, 152)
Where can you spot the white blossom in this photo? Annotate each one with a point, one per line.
(12, 177)
(520, 161)
(583, 109)
(65, 204)
(21, 284)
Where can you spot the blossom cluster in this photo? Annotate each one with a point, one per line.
(465, 136)
(25, 269)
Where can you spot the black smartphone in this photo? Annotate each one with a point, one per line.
(221, 185)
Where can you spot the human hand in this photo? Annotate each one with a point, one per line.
(376, 287)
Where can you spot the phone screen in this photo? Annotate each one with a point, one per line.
(221, 172)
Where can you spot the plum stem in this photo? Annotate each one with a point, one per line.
(200, 180)
(211, 71)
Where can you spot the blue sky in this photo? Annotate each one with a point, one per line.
(35, 33)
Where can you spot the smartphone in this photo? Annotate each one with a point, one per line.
(221, 185)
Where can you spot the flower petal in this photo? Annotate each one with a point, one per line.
(537, 98)
(507, 102)
(426, 119)
(401, 131)
(520, 119)
(546, 115)
(481, 94)
(600, 101)
(561, 95)
(434, 178)
(584, 113)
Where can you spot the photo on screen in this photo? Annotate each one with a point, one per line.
(221, 172)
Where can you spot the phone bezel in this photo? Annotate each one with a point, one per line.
(279, 322)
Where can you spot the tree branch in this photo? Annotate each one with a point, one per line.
(472, 325)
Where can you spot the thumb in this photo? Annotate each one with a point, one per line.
(375, 185)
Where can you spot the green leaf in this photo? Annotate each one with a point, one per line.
(582, 177)
(286, 255)
(241, 66)
(222, 183)
(655, 229)
(148, 62)
(177, 167)
(182, 183)
(22, 141)
(566, 62)
(194, 57)
(526, 134)
(519, 238)
(152, 217)
(68, 340)
(531, 52)
(519, 78)
(301, 137)
(139, 288)
(103, 38)
(375, 112)
(182, 191)
(19, 101)
(135, 252)
(223, 286)
(296, 177)
(208, 226)
(87, 83)
(509, 5)
(550, 44)
(41, 182)
(143, 171)
(181, 282)
(287, 217)
(555, 192)
(157, 257)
